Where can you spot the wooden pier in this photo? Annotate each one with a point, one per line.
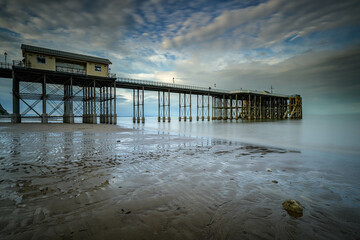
(82, 92)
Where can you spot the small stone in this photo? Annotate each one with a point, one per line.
(293, 208)
(118, 141)
(269, 170)
(274, 181)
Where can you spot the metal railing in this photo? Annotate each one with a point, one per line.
(195, 88)
(169, 85)
(5, 65)
(112, 75)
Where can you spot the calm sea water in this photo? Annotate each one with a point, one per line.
(337, 133)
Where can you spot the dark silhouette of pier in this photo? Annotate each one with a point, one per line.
(68, 93)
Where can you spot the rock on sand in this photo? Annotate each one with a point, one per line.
(293, 208)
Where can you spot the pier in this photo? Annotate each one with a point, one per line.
(72, 85)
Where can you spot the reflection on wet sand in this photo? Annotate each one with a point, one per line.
(104, 182)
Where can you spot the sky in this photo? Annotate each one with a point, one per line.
(307, 47)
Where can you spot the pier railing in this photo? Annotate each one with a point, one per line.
(169, 85)
(5, 65)
(194, 88)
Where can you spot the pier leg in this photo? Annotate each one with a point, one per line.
(134, 117)
(197, 107)
(179, 107)
(94, 104)
(15, 117)
(44, 117)
(202, 108)
(91, 104)
(159, 103)
(248, 108)
(114, 114)
(185, 110)
(68, 117)
(231, 109)
(208, 107)
(84, 105)
(143, 109)
(190, 107)
(169, 118)
(110, 105)
(107, 104)
(164, 104)
(138, 107)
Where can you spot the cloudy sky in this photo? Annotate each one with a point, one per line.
(302, 47)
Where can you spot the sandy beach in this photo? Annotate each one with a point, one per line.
(83, 181)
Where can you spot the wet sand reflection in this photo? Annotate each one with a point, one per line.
(85, 182)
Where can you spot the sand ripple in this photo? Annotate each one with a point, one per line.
(103, 182)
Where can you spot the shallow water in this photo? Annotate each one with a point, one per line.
(85, 182)
(331, 133)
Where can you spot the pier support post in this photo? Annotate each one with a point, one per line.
(169, 118)
(179, 107)
(44, 117)
(143, 106)
(185, 110)
(101, 106)
(190, 107)
(15, 117)
(94, 116)
(110, 105)
(197, 107)
(134, 117)
(208, 108)
(231, 108)
(106, 104)
(163, 105)
(91, 104)
(159, 103)
(138, 101)
(68, 103)
(114, 114)
(138, 106)
(202, 108)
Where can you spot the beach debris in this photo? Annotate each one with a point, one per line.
(269, 170)
(293, 208)
(124, 212)
(274, 181)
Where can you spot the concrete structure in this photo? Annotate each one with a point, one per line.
(73, 85)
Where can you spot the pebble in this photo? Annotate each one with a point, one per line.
(293, 208)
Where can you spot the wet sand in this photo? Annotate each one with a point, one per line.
(83, 181)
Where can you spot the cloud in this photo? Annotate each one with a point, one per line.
(269, 22)
(304, 47)
(330, 76)
(74, 24)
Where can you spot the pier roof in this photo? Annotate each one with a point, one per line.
(62, 54)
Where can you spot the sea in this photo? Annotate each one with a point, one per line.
(328, 133)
